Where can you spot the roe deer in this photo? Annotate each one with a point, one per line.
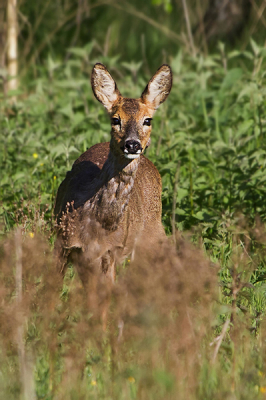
(110, 201)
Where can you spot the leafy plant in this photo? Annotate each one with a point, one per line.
(179, 336)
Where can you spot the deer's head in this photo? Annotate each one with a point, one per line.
(130, 118)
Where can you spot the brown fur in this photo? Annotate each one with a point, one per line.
(109, 204)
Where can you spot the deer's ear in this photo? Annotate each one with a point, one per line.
(104, 87)
(159, 87)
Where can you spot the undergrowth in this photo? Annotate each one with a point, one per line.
(191, 326)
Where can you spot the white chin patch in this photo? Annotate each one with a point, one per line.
(131, 156)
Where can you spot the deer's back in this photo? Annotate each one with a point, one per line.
(77, 188)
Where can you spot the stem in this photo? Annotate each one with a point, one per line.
(130, 10)
(25, 365)
(204, 109)
(174, 201)
(189, 32)
(3, 44)
(220, 339)
(12, 50)
(201, 27)
(191, 188)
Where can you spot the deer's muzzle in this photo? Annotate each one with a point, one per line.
(132, 149)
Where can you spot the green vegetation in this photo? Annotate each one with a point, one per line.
(146, 32)
(185, 336)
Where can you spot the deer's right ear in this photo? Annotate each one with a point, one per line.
(104, 87)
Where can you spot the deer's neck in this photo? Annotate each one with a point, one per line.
(115, 184)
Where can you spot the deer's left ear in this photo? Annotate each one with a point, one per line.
(159, 87)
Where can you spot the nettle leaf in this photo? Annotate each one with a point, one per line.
(77, 119)
(73, 149)
(58, 150)
(67, 110)
(168, 167)
(258, 154)
(244, 127)
(78, 51)
(231, 78)
(248, 55)
(19, 176)
(180, 211)
(72, 83)
(260, 173)
(181, 193)
(199, 215)
(176, 63)
(234, 53)
(52, 65)
(248, 90)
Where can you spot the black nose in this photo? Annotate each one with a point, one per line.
(132, 147)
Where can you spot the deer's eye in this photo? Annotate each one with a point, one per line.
(147, 121)
(115, 121)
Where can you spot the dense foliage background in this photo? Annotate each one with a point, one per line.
(147, 33)
(208, 143)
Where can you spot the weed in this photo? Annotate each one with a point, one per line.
(191, 323)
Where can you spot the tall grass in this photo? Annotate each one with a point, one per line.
(189, 324)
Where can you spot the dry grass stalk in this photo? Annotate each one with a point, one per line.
(25, 362)
(219, 339)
